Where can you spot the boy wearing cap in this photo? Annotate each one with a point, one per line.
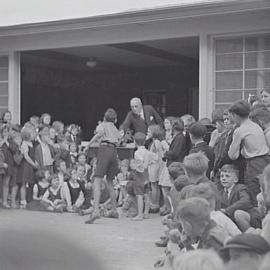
(246, 246)
(197, 133)
(236, 200)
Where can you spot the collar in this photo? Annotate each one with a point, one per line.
(230, 188)
(141, 147)
(200, 143)
(267, 130)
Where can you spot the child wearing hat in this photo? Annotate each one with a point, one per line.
(246, 246)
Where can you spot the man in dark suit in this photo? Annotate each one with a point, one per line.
(140, 117)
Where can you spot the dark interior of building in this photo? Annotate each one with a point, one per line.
(76, 85)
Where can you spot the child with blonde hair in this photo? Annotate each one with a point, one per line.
(158, 171)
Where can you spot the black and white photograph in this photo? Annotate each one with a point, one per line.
(135, 135)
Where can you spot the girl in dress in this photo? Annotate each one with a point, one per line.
(39, 190)
(76, 192)
(54, 199)
(25, 175)
(5, 144)
(17, 156)
(158, 172)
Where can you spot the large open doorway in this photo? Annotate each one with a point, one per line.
(76, 85)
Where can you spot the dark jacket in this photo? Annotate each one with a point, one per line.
(137, 124)
(205, 148)
(178, 149)
(239, 199)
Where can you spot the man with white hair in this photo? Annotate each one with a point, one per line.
(140, 117)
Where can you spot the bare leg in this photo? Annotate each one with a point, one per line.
(140, 208)
(112, 195)
(165, 192)
(155, 195)
(14, 192)
(96, 189)
(146, 205)
(5, 191)
(23, 195)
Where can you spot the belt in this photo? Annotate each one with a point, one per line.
(108, 143)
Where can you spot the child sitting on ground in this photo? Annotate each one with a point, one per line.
(54, 199)
(143, 159)
(236, 200)
(179, 181)
(194, 216)
(76, 192)
(121, 180)
(39, 189)
(204, 191)
(196, 165)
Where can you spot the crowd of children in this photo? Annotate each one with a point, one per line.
(210, 180)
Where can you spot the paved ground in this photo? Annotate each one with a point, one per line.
(124, 244)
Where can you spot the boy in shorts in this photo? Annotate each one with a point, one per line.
(109, 137)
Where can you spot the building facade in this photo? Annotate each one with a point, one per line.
(234, 44)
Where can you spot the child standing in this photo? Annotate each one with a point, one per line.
(197, 132)
(73, 153)
(28, 165)
(109, 137)
(178, 147)
(249, 141)
(143, 159)
(158, 172)
(8, 163)
(17, 156)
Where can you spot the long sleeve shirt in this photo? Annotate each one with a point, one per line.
(249, 140)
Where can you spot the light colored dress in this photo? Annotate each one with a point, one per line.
(158, 171)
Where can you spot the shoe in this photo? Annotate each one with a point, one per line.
(164, 212)
(6, 206)
(112, 214)
(137, 218)
(162, 243)
(92, 219)
(153, 210)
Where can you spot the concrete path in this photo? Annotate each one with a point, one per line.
(121, 244)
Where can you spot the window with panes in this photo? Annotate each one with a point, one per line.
(242, 67)
(3, 83)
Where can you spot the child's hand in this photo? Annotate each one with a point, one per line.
(57, 201)
(5, 165)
